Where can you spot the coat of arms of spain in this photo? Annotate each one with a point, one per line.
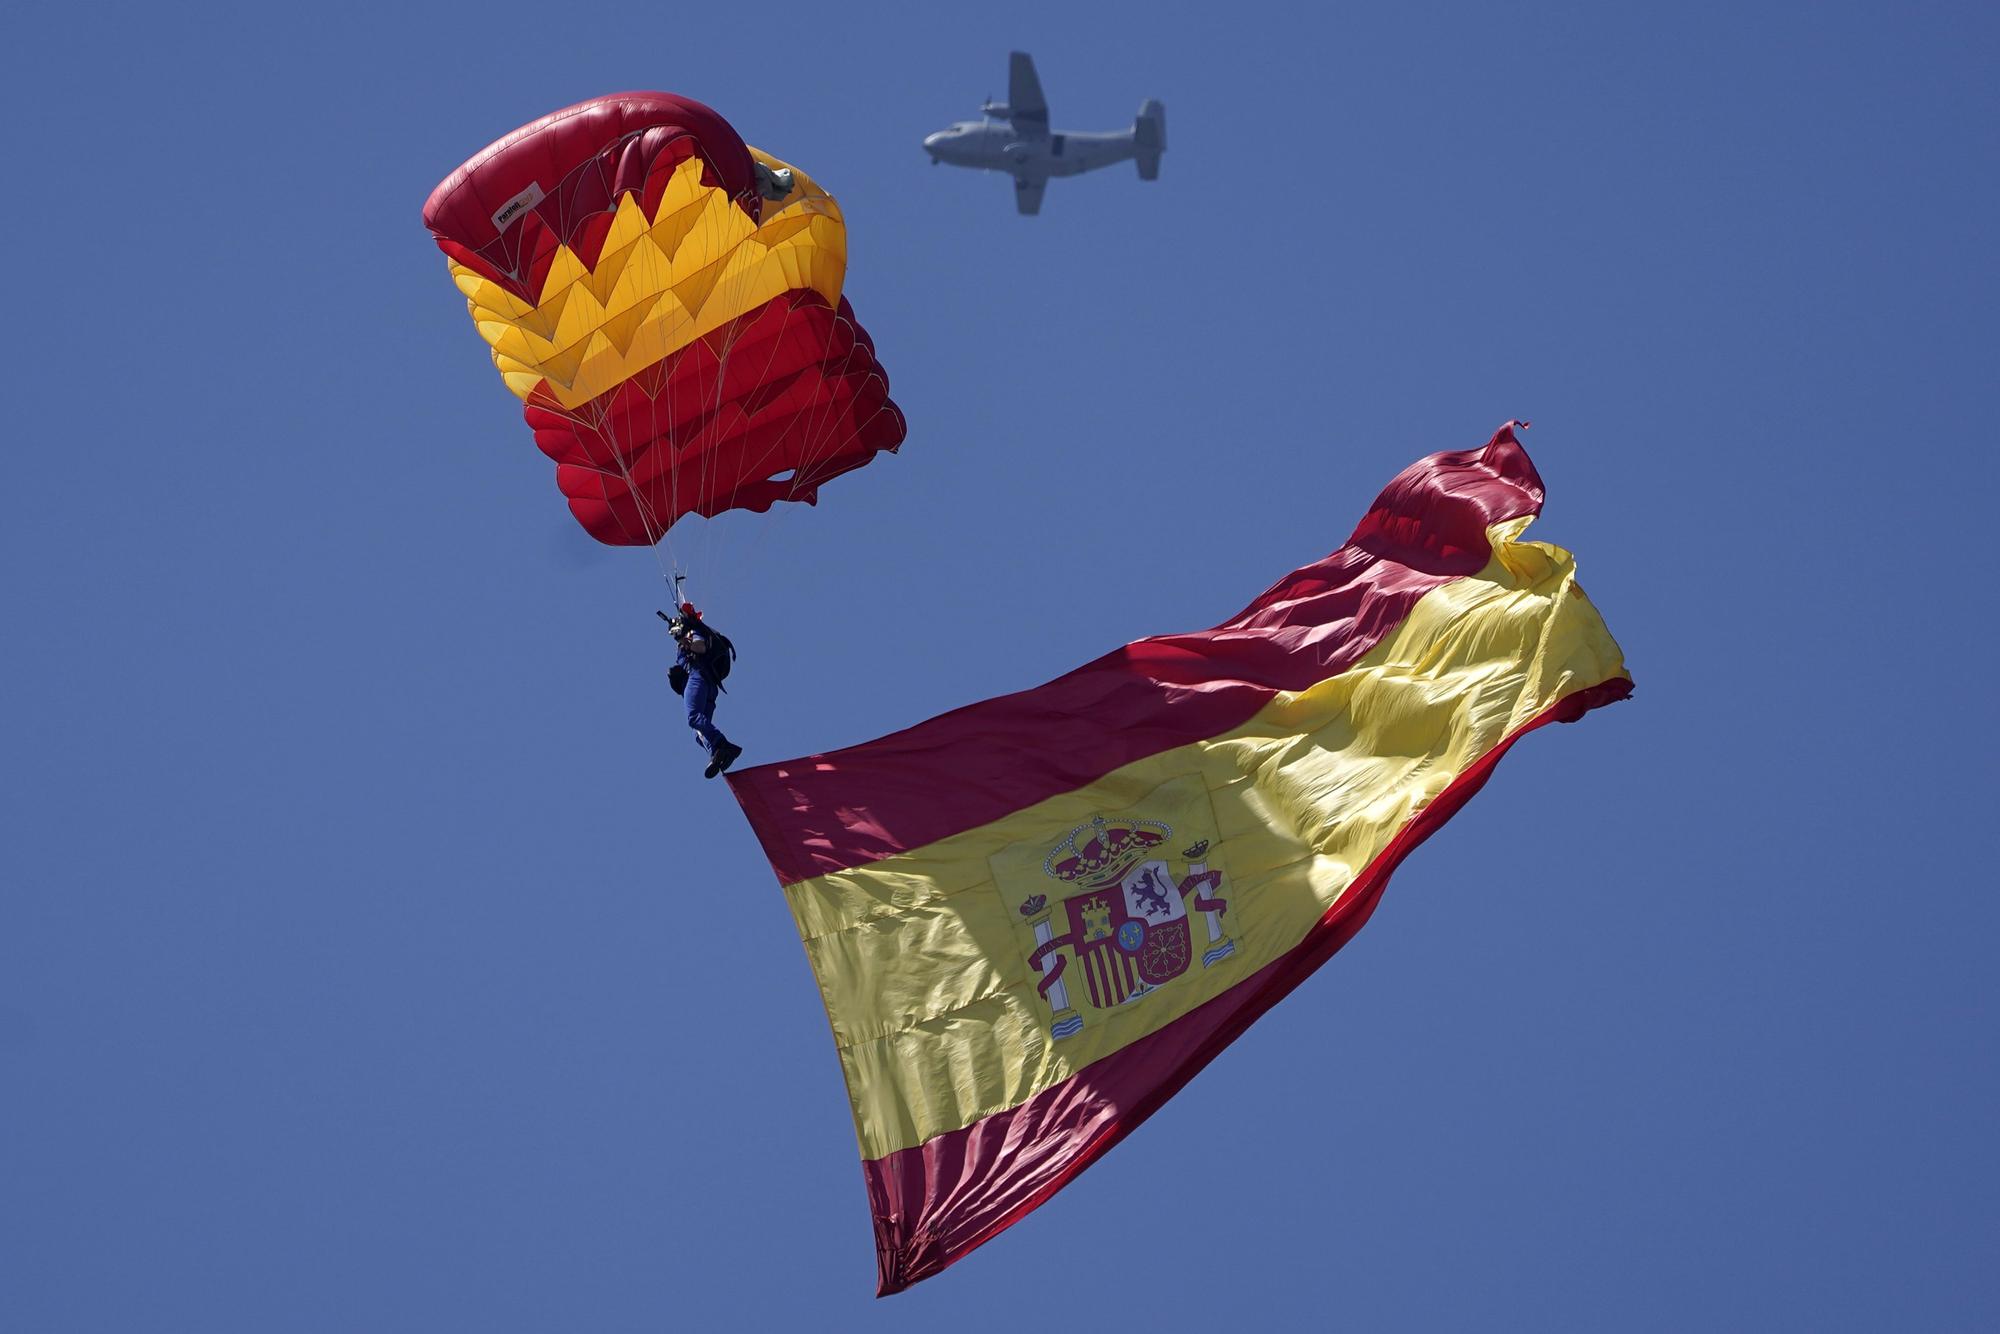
(1127, 921)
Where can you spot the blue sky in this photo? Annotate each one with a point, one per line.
(373, 956)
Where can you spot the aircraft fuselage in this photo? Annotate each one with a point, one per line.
(998, 146)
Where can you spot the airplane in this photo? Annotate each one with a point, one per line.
(1014, 137)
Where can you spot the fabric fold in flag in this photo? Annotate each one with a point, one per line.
(1033, 919)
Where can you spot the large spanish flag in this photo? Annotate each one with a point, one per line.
(1035, 918)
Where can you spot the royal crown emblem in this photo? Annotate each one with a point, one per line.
(1130, 931)
(1109, 850)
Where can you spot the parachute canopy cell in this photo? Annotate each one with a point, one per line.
(678, 336)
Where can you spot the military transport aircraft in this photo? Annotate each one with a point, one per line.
(1014, 137)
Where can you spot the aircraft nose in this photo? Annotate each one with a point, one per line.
(933, 143)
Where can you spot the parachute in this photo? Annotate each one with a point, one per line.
(666, 302)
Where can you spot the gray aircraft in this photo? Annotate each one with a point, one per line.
(1014, 137)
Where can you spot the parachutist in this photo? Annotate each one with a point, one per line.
(700, 666)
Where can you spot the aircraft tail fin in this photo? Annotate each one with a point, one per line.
(1149, 137)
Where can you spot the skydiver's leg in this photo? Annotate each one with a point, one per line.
(701, 711)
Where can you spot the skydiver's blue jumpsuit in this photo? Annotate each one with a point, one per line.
(700, 696)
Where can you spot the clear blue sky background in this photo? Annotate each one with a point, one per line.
(374, 958)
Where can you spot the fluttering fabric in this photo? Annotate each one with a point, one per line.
(1033, 919)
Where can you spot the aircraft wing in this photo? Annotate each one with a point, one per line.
(1026, 106)
(1028, 194)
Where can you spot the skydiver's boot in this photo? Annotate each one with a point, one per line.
(724, 757)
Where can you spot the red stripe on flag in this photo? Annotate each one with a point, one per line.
(972, 766)
(936, 1202)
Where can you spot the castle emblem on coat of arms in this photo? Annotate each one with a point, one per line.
(1132, 929)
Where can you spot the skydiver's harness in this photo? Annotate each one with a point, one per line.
(714, 661)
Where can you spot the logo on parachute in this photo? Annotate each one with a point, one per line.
(1130, 931)
(515, 207)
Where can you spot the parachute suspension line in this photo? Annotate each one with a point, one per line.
(818, 427)
(601, 423)
(601, 426)
(807, 432)
(718, 343)
(743, 474)
(738, 330)
(623, 448)
(657, 531)
(815, 429)
(807, 436)
(809, 429)
(736, 288)
(820, 430)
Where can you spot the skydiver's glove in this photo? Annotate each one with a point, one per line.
(677, 677)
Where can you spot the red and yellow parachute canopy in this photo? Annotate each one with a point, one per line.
(667, 302)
